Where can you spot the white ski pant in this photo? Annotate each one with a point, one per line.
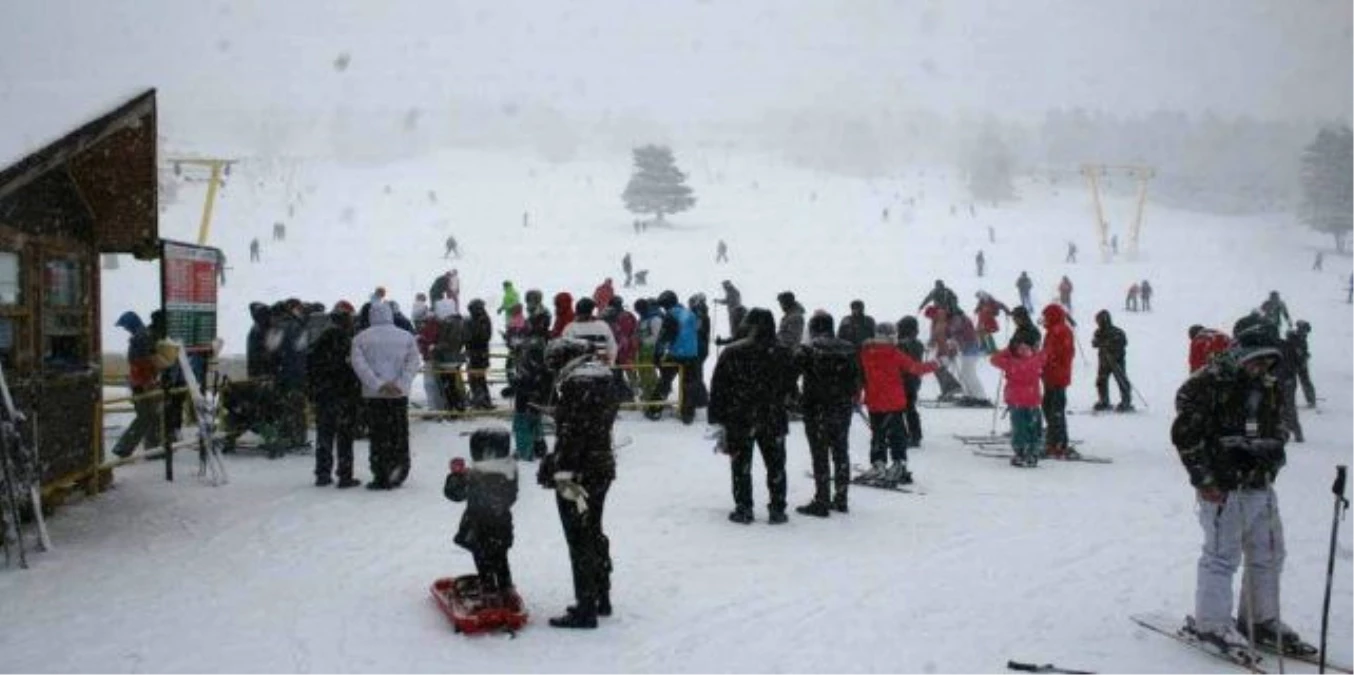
(968, 375)
(1246, 525)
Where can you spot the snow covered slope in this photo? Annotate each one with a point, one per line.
(271, 574)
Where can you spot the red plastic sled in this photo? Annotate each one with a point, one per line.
(460, 600)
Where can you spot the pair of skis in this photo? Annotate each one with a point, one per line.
(1254, 661)
(21, 473)
(211, 467)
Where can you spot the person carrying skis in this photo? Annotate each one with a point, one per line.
(580, 470)
(1023, 368)
(1111, 344)
(488, 486)
(832, 381)
(1228, 430)
(1059, 350)
(883, 366)
(986, 311)
(915, 350)
(1275, 311)
(753, 379)
(856, 327)
(1023, 284)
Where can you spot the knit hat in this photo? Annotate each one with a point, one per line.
(345, 307)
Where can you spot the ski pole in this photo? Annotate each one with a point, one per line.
(1278, 614)
(1340, 505)
(1131, 388)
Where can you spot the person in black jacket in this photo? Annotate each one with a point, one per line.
(830, 367)
(479, 330)
(1026, 333)
(753, 379)
(1229, 433)
(336, 394)
(488, 486)
(856, 327)
(941, 297)
(288, 344)
(908, 330)
(1298, 336)
(581, 470)
(699, 392)
(531, 388)
(1111, 344)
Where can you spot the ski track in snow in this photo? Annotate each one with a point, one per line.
(269, 573)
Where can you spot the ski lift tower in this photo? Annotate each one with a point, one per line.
(1142, 174)
(217, 169)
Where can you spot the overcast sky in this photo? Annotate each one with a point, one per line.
(673, 60)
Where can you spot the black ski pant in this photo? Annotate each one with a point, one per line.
(1288, 387)
(291, 418)
(589, 548)
(449, 380)
(911, 418)
(334, 422)
(1055, 416)
(888, 437)
(739, 446)
(668, 372)
(828, 429)
(491, 565)
(1305, 378)
(479, 384)
(389, 454)
(1102, 380)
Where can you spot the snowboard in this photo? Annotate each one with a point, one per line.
(1007, 453)
(460, 600)
(1173, 628)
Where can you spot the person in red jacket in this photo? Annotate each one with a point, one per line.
(986, 311)
(883, 365)
(1203, 344)
(1059, 349)
(564, 313)
(603, 294)
(1023, 368)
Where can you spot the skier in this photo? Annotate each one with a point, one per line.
(832, 380)
(915, 350)
(1275, 311)
(1059, 350)
(279, 231)
(386, 359)
(991, 233)
(979, 262)
(733, 300)
(1023, 284)
(883, 366)
(1203, 344)
(628, 269)
(254, 250)
(1111, 344)
(941, 297)
(1131, 300)
(1230, 439)
(581, 470)
(1316, 264)
(488, 486)
(1023, 368)
(856, 327)
(1071, 253)
(142, 379)
(1114, 244)
(743, 414)
(509, 298)
(1285, 371)
(479, 331)
(1065, 293)
(721, 252)
(1146, 296)
(945, 352)
(336, 396)
(451, 248)
(987, 310)
(959, 329)
(1303, 354)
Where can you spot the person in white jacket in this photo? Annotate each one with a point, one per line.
(385, 358)
(589, 328)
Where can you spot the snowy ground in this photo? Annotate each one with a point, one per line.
(272, 574)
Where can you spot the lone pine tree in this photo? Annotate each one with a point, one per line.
(657, 186)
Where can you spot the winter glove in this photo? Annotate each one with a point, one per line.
(458, 465)
(718, 434)
(545, 473)
(570, 491)
(390, 389)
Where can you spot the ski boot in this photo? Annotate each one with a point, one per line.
(741, 515)
(815, 508)
(1269, 634)
(1124, 406)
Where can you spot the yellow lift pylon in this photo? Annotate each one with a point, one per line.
(1093, 174)
(218, 168)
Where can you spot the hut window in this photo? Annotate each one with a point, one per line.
(61, 279)
(11, 291)
(64, 342)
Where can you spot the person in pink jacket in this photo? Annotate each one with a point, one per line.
(1023, 368)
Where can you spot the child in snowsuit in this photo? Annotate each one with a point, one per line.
(488, 486)
(1023, 368)
(885, 397)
